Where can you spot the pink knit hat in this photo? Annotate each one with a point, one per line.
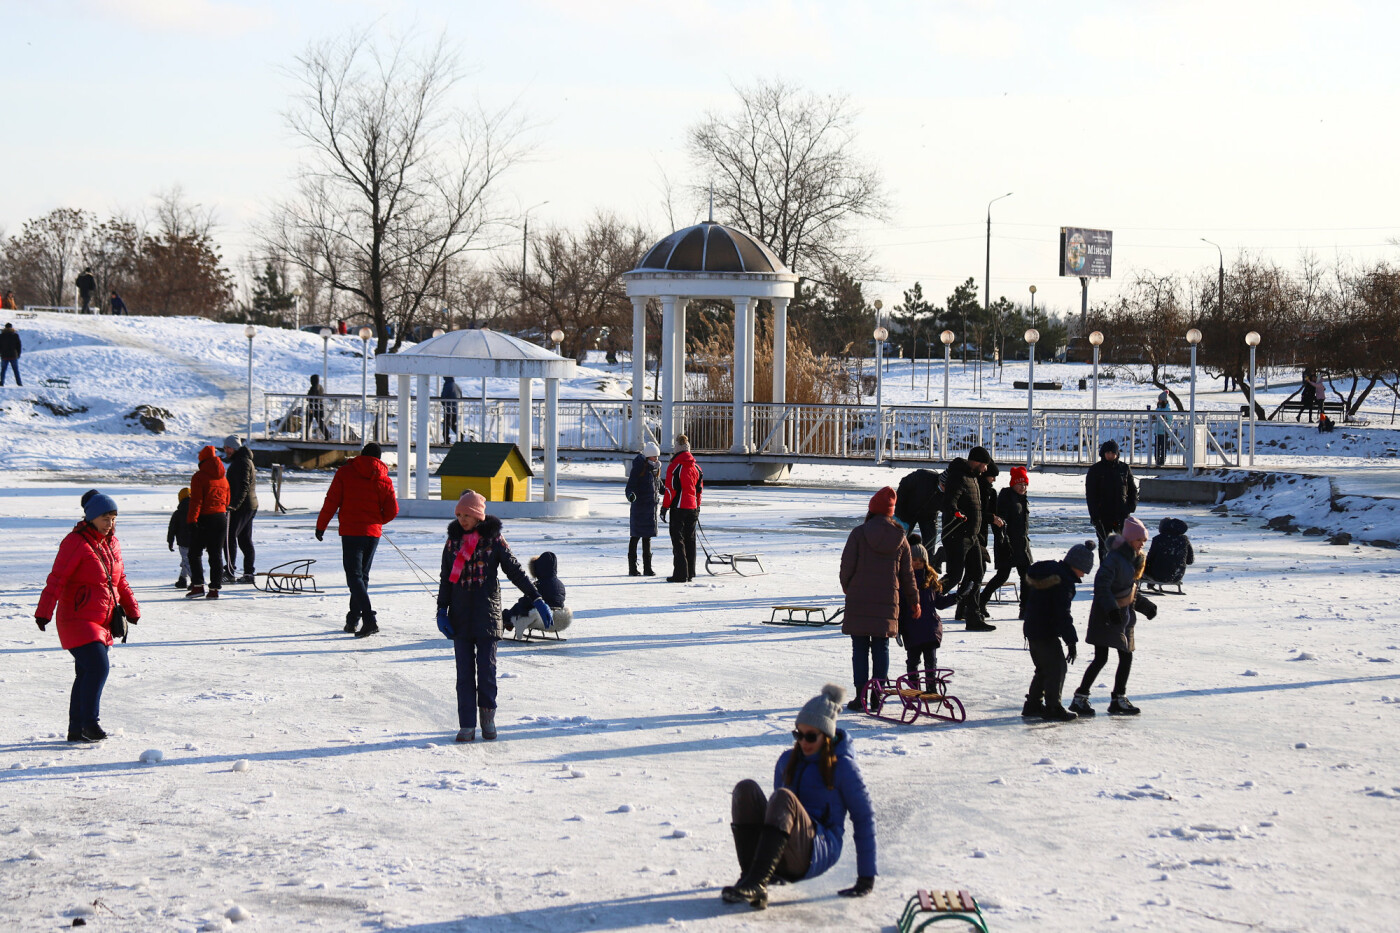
(1134, 530)
(475, 504)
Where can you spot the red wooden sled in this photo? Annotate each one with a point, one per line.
(904, 701)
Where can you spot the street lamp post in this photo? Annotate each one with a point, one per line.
(1193, 337)
(1096, 339)
(438, 332)
(986, 286)
(1032, 337)
(325, 334)
(879, 334)
(296, 308)
(946, 338)
(365, 334)
(1252, 339)
(525, 251)
(250, 332)
(1220, 293)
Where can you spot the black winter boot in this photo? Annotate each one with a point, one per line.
(632, 570)
(1119, 706)
(1080, 705)
(745, 844)
(753, 885)
(183, 583)
(1032, 708)
(352, 622)
(1057, 713)
(488, 723)
(370, 627)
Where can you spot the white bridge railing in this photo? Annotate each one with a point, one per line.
(914, 433)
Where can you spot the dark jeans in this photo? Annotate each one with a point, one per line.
(646, 552)
(91, 666)
(240, 535)
(965, 570)
(1103, 529)
(10, 364)
(357, 553)
(1159, 444)
(924, 657)
(1120, 677)
(1049, 681)
(87, 301)
(749, 807)
(683, 523)
(210, 535)
(863, 648)
(449, 422)
(1001, 576)
(476, 678)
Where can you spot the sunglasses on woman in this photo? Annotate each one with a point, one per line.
(802, 735)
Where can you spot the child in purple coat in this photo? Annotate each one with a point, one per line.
(923, 636)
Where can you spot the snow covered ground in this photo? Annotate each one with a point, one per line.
(309, 779)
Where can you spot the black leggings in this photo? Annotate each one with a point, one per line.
(646, 551)
(1120, 677)
(1001, 576)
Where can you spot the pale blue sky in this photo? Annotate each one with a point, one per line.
(1268, 127)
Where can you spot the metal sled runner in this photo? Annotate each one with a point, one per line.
(904, 702)
(728, 563)
(292, 577)
(929, 907)
(824, 616)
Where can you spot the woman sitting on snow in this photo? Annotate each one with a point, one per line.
(797, 833)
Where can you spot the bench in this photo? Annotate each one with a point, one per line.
(290, 577)
(807, 612)
(1330, 408)
(54, 382)
(928, 907)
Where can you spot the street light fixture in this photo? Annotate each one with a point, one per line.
(525, 250)
(557, 336)
(325, 333)
(1252, 340)
(250, 332)
(1193, 337)
(1032, 338)
(946, 338)
(365, 334)
(880, 334)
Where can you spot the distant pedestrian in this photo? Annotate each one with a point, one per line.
(644, 494)
(87, 288)
(1048, 601)
(685, 484)
(1309, 396)
(10, 349)
(242, 508)
(920, 495)
(1011, 538)
(9, 302)
(1110, 492)
(179, 534)
(469, 608)
(1112, 619)
(316, 407)
(363, 495)
(208, 514)
(877, 577)
(1161, 427)
(1319, 397)
(964, 530)
(450, 393)
(86, 590)
(115, 304)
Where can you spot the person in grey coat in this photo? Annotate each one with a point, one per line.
(644, 492)
(1112, 618)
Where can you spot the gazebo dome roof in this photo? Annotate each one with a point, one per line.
(711, 247)
(477, 353)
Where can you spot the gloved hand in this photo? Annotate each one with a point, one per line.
(40, 622)
(320, 535)
(546, 616)
(631, 497)
(1072, 654)
(444, 624)
(133, 619)
(172, 545)
(507, 623)
(863, 886)
(663, 515)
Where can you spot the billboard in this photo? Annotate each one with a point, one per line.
(1086, 253)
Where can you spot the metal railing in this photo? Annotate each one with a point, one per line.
(915, 433)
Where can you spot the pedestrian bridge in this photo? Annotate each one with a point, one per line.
(780, 434)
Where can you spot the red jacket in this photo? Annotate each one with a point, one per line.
(364, 495)
(208, 488)
(78, 588)
(684, 483)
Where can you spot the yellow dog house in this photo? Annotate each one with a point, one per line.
(497, 471)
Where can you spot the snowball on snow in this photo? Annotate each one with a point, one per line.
(237, 914)
(152, 755)
(241, 765)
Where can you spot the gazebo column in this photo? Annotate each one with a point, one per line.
(751, 356)
(780, 306)
(668, 363)
(551, 440)
(639, 372)
(421, 439)
(740, 371)
(678, 393)
(525, 437)
(404, 435)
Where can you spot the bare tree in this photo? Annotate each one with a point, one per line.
(784, 168)
(396, 185)
(47, 254)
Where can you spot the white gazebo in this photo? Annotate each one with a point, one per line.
(479, 354)
(707, 261)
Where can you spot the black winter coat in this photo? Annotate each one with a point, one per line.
(474, 601)
(1013, 543)
(242, 481)
(1047, 600)
(644, 492)
(1111, 617)
(1170, 552)
(181, 532)
(961, 493)
(545, 571)
(1111, 492)
(918, 500)
(9, 344)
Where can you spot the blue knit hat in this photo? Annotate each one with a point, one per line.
(99, 504)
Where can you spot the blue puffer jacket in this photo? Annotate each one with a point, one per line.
(828, 807)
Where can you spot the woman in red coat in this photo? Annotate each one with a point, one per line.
(209, 514)
(86, 585)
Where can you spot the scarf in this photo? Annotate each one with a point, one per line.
(464, 554)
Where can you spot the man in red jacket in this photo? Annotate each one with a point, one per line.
(681, 498)
(364, 496)
(209, 516)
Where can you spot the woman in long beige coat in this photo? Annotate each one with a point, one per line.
(877, 576)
